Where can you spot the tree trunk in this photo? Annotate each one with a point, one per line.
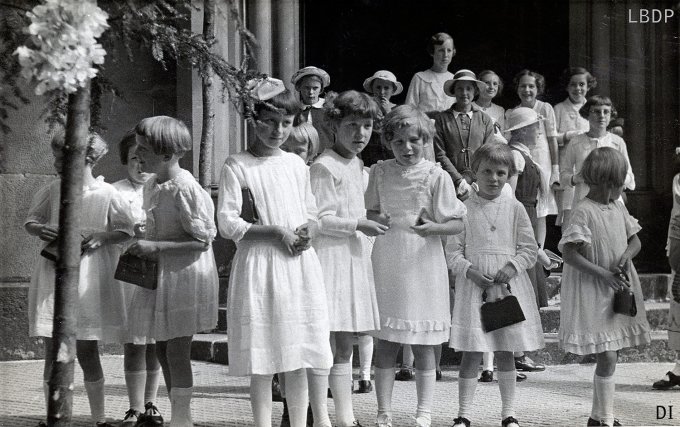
(68, 262)
(208, 130)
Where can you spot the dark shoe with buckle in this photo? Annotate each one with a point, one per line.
(461, 422)
(365, 386)
(510, 420)
(592, 422)
(486, 377)
(524, 363)
(665, 384)
(131, 418)
(404, 374)
(438, 375)
(521, 377)
(150, 417)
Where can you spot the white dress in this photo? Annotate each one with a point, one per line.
(411, 278)
(426, 91)
(101, 303)
(277, 317)
(185, 301)
(568, 119)
(489, 250)
(588, 323)
(344, 252)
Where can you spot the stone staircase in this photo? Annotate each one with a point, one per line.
(214, 346)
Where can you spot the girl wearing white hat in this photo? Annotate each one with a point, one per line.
(382, 85)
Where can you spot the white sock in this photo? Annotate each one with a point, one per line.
(384, 383)
(604, 387)
(507, 382)
(340, 380)
(595, 411)
(261, 399)
(297, 396)
(466, 395)
(425, 384)
(676, 368)
(46, 391)
(365, 356)
(487, 361)
(153, 379)
(317, 382)
(407, 356)
(134, 381)
(95, 395)
(180, 407)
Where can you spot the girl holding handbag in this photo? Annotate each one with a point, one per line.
(490, 259)
(598, 247)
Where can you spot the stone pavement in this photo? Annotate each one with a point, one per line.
(559, 396)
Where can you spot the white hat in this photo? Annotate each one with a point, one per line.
(462, 75)
(312, 71)
(265, 88)
(383, 75)
(521, 117)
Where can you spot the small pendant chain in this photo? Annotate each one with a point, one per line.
(492, 225)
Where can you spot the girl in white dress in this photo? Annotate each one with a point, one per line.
(277, 311)
(105, 221)
(598, 245)
(179, 232)
(494, 251)
(142, 370)
(417, 200)
(338, 185)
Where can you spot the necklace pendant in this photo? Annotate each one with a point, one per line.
(493, 228)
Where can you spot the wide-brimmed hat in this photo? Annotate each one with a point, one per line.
(383, 75)
(462, 75)
(521, 117)
(265, 88)
(312, 71)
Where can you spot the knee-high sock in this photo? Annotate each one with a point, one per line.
(317, 381)
(153, 379)
(135, 382)
(365, 356)
(384, 383)
(340, 380)
(487, 361)
(507, 382)
(425, 384)
(466, 395)
(595, 410)
(261, 399)
(407, 356)
(95, 395)
(604, 387)
(297, 397)
(180, 407)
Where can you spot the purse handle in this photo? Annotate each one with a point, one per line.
(507, 285)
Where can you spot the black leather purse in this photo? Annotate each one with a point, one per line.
(138, 271)
(624, 300)
(501, 313)
(248, 209)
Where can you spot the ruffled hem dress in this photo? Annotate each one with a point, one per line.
(588, 323)
(411, 277)
(185, 301)
(497, 232)
(277, 316)
(101, 313)
(344, 252)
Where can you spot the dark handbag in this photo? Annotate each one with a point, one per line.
(248, 209)
(501, 313)
(51, 251)
(138, 271)
(624, 303)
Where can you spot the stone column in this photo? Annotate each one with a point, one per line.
(285, 52)
(260, 23)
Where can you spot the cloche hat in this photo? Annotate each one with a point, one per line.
(312, 71)
(383, 75)
(521, 117)
(462, 75)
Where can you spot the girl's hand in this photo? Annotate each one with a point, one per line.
(479, 278)
(94, 241)
(384, 219)
(614, 280)
(425, 227)
(291, 242)
(505, 274)
(48, 233)
(144, 249)
(370, 227)
(623, 265)
(140, 230)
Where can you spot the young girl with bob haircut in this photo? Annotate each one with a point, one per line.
(277, 310)
(491, 257)
(416, 199)
(179, 234)
(598, 246)
(337, 178)
(426, 91)
(105, 221)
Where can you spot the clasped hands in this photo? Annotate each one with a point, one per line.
(503, 276)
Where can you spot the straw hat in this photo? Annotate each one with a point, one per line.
(521, 117)
(383, 75)
(312, 71)
(266, 88)
(462, 75)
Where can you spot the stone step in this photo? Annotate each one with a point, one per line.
(657, 316)
(654, 285)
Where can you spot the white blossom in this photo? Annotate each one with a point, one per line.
(64, 37)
